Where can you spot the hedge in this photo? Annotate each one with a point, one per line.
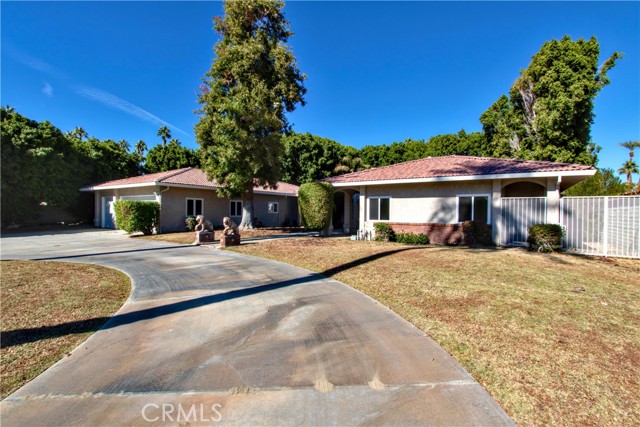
(545, 237)
(412, 238)
(134, 215)
(315, 203)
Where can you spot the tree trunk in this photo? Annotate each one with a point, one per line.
(247, 210)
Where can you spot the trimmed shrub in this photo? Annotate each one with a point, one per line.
(384, 232)
(190, 222)
(477, 232)
(412, 238)
(545, 237)
(315, 203)
(134, 215)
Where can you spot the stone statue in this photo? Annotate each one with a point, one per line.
(202, 224)
(230, 227)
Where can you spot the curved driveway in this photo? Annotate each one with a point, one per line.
(211, 337)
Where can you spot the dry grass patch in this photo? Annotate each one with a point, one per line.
(550, 353)
(48, 308)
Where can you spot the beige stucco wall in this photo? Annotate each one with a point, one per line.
(173, 206)
(173, 210)
(287, 208)
(425, 202)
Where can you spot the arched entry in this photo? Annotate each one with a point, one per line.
(346, 210)
(524, 189)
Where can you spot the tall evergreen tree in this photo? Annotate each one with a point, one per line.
(253, 81)
(549, 111)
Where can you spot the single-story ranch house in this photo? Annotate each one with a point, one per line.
(188, 192)
(435, 195)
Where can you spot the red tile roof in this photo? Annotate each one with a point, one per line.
(455, 166)
(183, 177)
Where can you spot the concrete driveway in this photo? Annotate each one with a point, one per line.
(211, 337)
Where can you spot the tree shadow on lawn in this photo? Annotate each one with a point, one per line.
(27, 335)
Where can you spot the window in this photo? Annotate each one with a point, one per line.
(474, 208)
(379, 208)
(194, 207)
(273, 207)
(235, 208)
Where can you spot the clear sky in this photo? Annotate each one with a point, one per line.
(378, 72)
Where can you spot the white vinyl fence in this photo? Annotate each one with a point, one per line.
(603, 226)
(607, 226)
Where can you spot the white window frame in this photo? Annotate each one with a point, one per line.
(270, 207)
(473, 214)
(369, 208)
(186, 205)
(236, 202)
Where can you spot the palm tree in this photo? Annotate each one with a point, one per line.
(140, 148)
(350, 164)
(78, 133)
(629, 168)
(165, 134)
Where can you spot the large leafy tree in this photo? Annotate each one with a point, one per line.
(549, 111)
(604, 183)
(253, 81)
(170, 156)
(462, 143)
(308, 158)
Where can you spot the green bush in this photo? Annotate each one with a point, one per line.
(315, 203)
(477, 232)
(412, 238)
(190, 222)
(545, 237)
(134, 215)
(384, 232)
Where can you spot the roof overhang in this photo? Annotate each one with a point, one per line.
(577, 174)
(118, 186)
(165, 184)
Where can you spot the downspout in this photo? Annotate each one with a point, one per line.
(159, 199)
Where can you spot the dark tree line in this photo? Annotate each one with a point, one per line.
(42, 166)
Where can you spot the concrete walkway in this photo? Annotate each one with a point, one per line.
(211, 337)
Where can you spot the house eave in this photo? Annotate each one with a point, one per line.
(166, 184)
(117, 187)
(581, 173)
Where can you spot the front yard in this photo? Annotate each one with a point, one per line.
(48, 308)
(554, 338)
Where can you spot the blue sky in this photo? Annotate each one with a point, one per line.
(378, 72)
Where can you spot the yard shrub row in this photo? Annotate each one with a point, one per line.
(412, 238)
(385, 233)
(134, 215)
(545, 237)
